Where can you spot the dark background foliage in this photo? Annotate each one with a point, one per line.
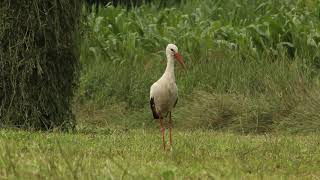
(38, 62)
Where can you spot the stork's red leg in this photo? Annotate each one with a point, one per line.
(170, 128)
(162, 131)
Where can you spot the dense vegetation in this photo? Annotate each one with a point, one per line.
(253, 66)
(39, 63)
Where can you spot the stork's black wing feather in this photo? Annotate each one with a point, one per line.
(175, 103)
(153, 108)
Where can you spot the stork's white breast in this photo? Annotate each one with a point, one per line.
(165, 94)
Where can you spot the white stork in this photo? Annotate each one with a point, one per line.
(164, 92)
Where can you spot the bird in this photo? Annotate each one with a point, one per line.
(164, 92)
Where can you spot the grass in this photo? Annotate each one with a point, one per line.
(248, 106)
(137, 153)
(253, 66)
(132, 154)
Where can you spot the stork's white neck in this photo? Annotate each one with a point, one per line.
(169, 72)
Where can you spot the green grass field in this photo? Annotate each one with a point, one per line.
(137, 154)
(248, 103)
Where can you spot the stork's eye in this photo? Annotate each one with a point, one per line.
(172, 50)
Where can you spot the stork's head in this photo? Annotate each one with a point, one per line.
(172, 53)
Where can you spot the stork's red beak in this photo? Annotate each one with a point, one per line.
(179, 59)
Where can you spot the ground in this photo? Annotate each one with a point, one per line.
(136, 154)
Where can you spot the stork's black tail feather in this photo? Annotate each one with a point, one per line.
(153, 108)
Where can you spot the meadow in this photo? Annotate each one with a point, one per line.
(248, 103)
(137, 154)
